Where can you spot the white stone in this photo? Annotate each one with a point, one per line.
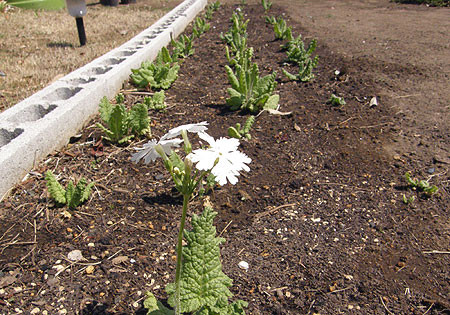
(243, 265)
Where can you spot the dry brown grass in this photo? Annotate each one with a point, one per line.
(37, 47)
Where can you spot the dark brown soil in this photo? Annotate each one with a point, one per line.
(319, 218)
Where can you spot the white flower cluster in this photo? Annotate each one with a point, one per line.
(222, 157)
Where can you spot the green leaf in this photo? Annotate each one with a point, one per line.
(234, 133)
(105, 109)
(118, 122)
(57, 192)
(155, 307)
(138, 119)
(203, 284)
(272, 102)
(70, 190)
(38, 4)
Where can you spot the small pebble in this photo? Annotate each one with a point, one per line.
(243, 265)
(91, 245)
(35, 310)
(90, 269)
(18, 289)
(110, 223)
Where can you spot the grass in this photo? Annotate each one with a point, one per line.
(40, 47)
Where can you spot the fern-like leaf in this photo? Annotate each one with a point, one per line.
(138, 119)
(56, 191)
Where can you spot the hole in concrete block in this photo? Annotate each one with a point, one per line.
(80, 81)
(7, 136)
(125, 53)
(62, 94)
(96, 71)
(113, 61)
(32, 113)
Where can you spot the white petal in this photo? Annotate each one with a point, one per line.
(194, 128)
(207, 138)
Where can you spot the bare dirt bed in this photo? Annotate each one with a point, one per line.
(319, 218)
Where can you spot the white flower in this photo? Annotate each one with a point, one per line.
(194, 128)
(222, 158)
(149, 153)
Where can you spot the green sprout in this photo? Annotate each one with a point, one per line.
(421, 185)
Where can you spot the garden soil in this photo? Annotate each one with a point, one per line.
(320, 218)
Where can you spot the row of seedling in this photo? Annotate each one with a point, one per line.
(120, 124)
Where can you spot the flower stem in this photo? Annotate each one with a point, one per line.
(186, 198)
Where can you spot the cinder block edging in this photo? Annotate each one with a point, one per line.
(45, 121)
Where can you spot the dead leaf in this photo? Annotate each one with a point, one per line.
(277, 112)
(119, 259)
(7, 280)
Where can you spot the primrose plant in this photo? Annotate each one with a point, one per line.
(200, 285)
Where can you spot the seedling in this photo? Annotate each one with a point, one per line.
(270, 20)
(72, 196)
(336, 100)
(408, 200)
(200, 286)
(200, 27)
(183, 47)
(236, 37)
(244, 132)
(156, 102)
(249, 91)
(156, 75)
(212, 7)
(242, 57)
(266, 4)
(421, 185)
(281, 30)
(121, 124)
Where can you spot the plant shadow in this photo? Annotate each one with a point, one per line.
(164, 199)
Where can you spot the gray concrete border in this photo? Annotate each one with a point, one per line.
(45, 121)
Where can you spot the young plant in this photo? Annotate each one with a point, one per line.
(266, 5)
(421, 185)
(121, 124)
(72, 196)
(249, 91)
(281, 30)
(336, 100)
(297, 54)
(236, 37)
(157, 75)
(408, 200)
(200, 286)
(270, 20)
(242, 57)
(244, 132)
(212, 7)
(156, 102)
(200, 27)
(183, 47)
